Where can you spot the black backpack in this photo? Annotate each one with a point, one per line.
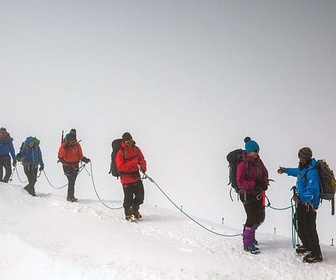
(234, 157)
(116, 146)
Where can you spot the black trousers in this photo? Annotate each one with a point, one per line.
(71, 173)
(31, 172)
(5, 164)
(306, 218)
(254, 209)
(134, 195)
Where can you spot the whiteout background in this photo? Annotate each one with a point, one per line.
(188, 79)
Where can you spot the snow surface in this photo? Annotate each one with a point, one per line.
(45, 237)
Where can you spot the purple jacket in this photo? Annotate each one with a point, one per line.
(248, 171)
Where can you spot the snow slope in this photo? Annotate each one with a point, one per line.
(45, 237)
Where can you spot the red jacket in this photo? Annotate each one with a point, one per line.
(129, 160)
(71, 155)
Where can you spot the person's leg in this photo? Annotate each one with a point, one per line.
(302, 224)
(311, 232)
(8, 171)
(139, 195)
(252, 212)
(29, 171)
(128, 200)
(71, 176)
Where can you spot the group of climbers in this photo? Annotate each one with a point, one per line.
(251, 178)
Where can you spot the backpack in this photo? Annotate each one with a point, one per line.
(327, 180)
(327, 183)
(19, 156)
(116, 146)
(234, 157)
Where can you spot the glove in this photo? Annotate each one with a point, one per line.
(261, 185)
(258, 188)
(18, 157)
(86, 160)
(296, 199)
(281, 170)
(41, 167)
(14, 163)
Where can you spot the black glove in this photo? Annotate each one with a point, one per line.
(41, 167)
(86, 160)
(18, 157)
(296, 199)
(261, 185)
(258, 188)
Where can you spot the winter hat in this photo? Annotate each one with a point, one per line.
(305, 153)
(127, 137)
(72, 135)
(250, 145)
(3, 130)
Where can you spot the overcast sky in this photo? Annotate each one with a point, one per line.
(188, 79)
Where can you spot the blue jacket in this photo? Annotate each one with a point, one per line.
(28, 155)
(6, 148)
(307, 183)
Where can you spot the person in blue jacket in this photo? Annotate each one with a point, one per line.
(307, 199)
(30, 156)
(6, 152)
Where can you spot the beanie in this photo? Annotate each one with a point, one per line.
(250, 145)
(71, 135)
(127, 136)
(305, 153)
(2, 129)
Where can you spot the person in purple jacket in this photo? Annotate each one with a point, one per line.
(252, 179)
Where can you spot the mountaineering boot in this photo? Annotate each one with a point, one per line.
(72, 199)
(30, 190)
(252, 249)
(310, 258)
(137, 215)
(129, 218)
(302, 250)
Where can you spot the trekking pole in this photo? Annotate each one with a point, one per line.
(294, 218)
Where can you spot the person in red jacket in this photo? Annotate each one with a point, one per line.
(252, 179)
(129, 160)
(70, 154)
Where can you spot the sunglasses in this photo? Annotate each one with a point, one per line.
(256, 151)
(129, 142)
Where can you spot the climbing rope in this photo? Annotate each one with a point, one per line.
(95, 189)
(17, 174)
(192, 219)
(57, 188)
(276, 208)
